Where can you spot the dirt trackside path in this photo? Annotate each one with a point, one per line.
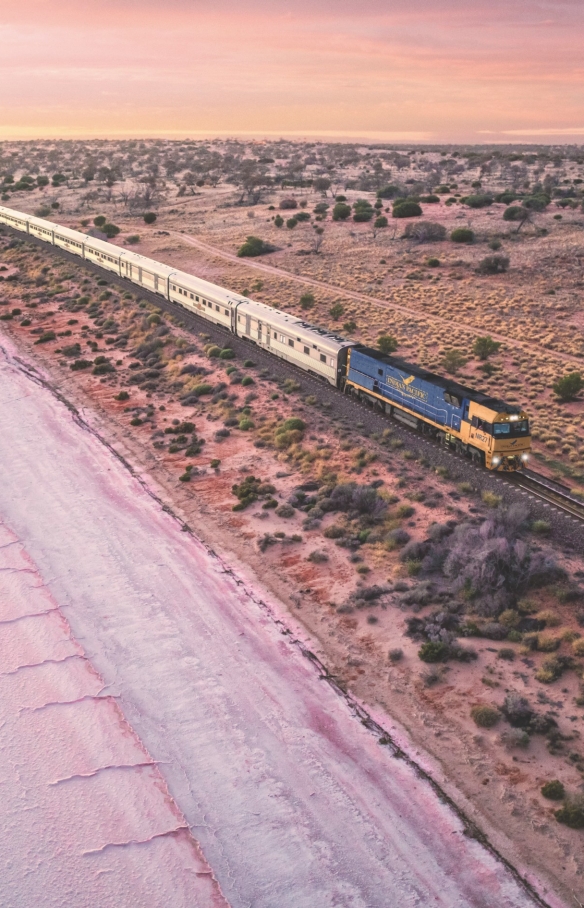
(370, 300)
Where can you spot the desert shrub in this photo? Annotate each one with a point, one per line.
(578, 647)
(395, 655)
(72, 350)
(123, 395)
(278, 221)
(336, 310)
(462, 235)
(387, 343)
(247, 380)
(246, 424)
(553, 790)
(541, 527)
(491, 500)
(569, 386)
(482, 200)
(341, 211)
(493, 264)
(485, 716)
(517, 711)
(363, 211)
(149, 217)
(307, 301)
(572, 813)
(396, 538)
(433, 651)
(45, 337)
(102, 368)
(380, 221)
(484, 347)
(388, 192)
(132, 239)
(406, 209)
(552, 668)
(425, 231)
(334, 532)
(253, 247)
(318, 557)
(515, 737)
(110, 230)
(99, 221)
(291, 223)
(433, 262)
(226, 353)
(288, 204)
(506, 653)
(285, 510)
(80, 364)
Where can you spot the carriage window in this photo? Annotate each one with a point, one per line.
(322, 358)
(290, 342)
(380, 371)
(227, 312)
(307, 351)
(217, 308)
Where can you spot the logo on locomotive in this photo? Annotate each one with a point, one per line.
(404, 387)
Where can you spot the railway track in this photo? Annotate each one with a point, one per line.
(551, 493)
(554, 499)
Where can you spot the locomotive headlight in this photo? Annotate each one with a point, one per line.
(496, 461)
(525, 457)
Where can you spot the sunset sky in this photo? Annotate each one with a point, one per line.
(411, 70)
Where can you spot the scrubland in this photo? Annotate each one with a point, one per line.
(454, 612)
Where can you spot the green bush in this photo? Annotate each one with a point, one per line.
(45, 337)
(291, 223)
(80, 364)
(433, 651)
(99, 221)
(452, 361)
(278, 221)
(541, 527)
(123, 395)
(307, 301)
(341, 211)
(462, 235)
(227, 353)
(569, 386)
(553, 790)
(485, 716)
(292, 424)
(133, 239)
(247, 380)
(477, 201)
(381, 221)
(253, 247)
(103, 369)
(149, 217)
(433, 262)
(336, 311)
(246, 423)
(406, 209)
(572, 813)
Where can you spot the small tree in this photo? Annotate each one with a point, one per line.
(99, 221)
(149, 217)
(425, 231)
(278, 221)
(110, 230)
(336, 311)
(350, 327)
(307, 301)
(568, 386)
(291, 223)
(484, 347)
(321, 184)
(452, 361)
(387, 343)
(380, 221)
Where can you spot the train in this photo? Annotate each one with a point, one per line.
(493, 433)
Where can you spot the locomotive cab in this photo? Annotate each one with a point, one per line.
(502, 435)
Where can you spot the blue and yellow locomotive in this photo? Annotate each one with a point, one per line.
(492, 432)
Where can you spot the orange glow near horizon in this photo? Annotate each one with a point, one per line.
(385, 70)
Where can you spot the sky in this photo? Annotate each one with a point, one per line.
(426, 71)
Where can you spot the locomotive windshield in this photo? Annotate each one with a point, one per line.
(511, 429)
